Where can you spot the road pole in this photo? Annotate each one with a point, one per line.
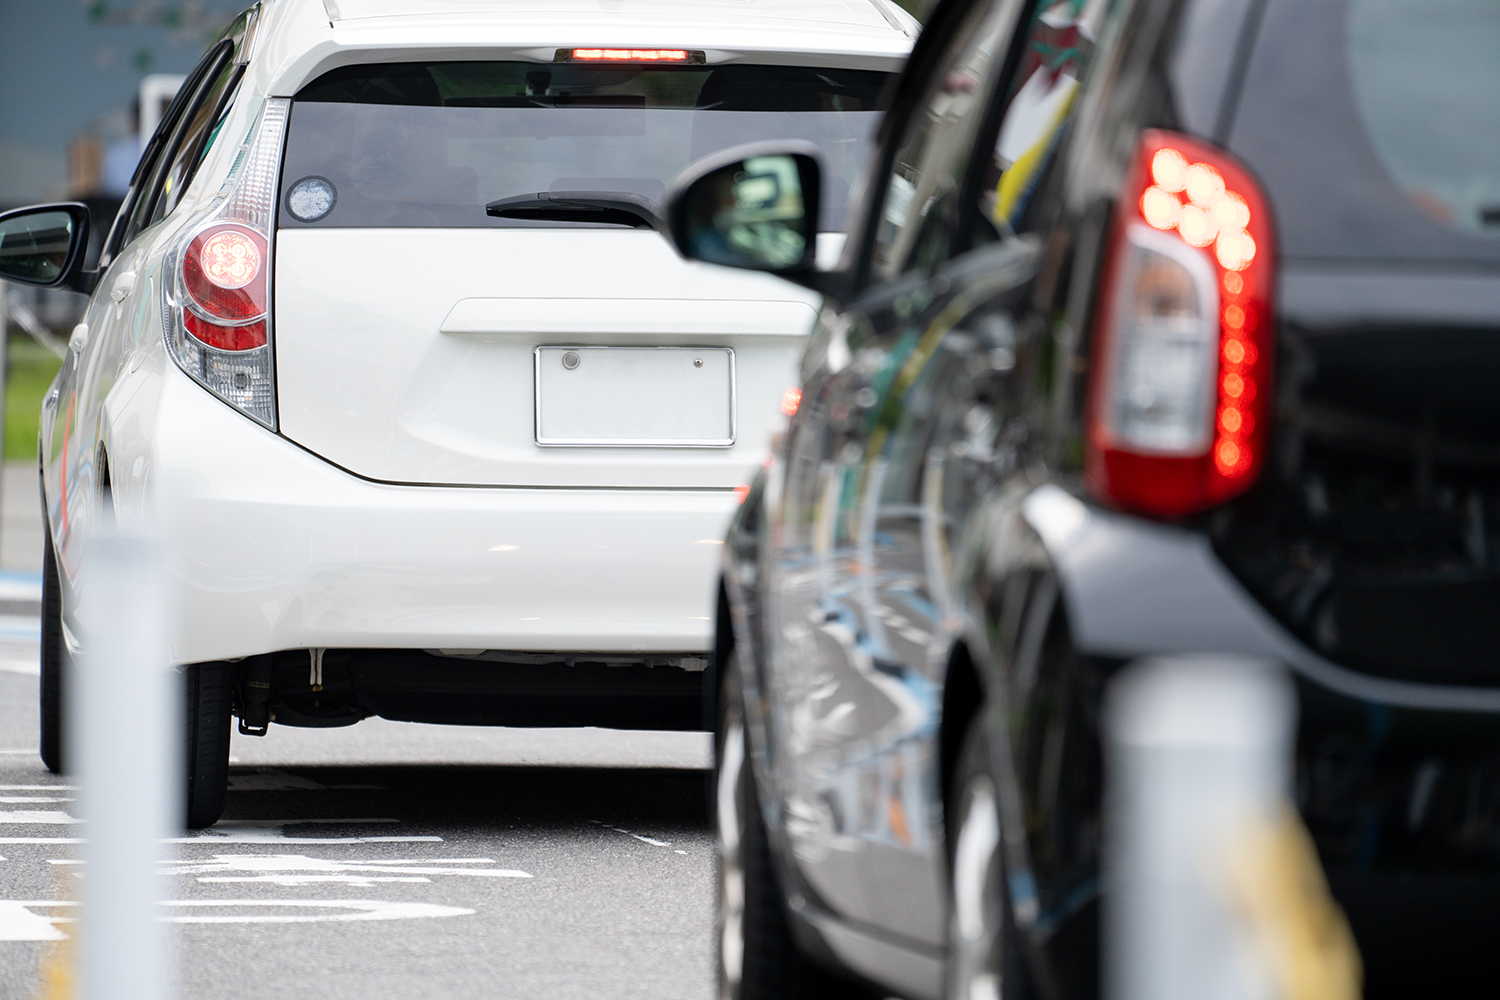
(126, 709)
(1198, 750)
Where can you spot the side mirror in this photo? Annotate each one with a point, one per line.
(44, 244)
(753, 207)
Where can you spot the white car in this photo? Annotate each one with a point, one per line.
(435, 425)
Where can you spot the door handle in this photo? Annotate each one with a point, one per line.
(124, 285)
(79, 339)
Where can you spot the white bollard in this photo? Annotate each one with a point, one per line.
(1198, 754)
(125, 720)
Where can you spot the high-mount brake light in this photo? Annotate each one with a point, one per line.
(1180, 378)
(630, 55)
(217, 311)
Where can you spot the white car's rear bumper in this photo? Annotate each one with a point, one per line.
(272, 548)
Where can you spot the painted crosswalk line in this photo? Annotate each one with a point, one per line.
(38, 920)
(299, 869)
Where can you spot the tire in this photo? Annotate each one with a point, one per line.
(209, 689)
(983, 954)
(756, 955)
(50, 690)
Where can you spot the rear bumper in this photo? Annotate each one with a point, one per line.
(1133, 588)
(271, 548)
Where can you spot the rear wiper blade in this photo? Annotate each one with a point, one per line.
(620, 208)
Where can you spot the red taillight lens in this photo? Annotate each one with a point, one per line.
(224, 272)
(226, 338)
(1180, 378)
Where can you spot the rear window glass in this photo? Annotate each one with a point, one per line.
(1375, 125)
(429, 145)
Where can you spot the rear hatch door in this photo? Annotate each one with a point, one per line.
(420, 339)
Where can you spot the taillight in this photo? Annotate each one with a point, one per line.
(219, 308)
(1180, 377)
(224, 274)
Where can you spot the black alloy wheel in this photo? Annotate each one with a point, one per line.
(757, 957)
(982, 953)
(209, 693)
(50, 690)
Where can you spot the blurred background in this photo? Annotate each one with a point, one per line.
(83, 82)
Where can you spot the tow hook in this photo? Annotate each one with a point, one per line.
(255, 697)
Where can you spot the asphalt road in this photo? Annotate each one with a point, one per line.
(416, 861)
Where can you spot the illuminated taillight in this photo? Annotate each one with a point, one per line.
(1180, 376)
(790, 401)
(218, 309)
(630, 55)
(224, 275)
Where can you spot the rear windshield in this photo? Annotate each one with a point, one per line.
(1375, 125)
(429, 145)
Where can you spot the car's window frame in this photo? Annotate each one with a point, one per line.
(161, 146)
(206, 71)
(911, 102)
(194, 147)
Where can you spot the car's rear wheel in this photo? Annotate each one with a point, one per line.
(50, 690)
(757, 956)
(209, 694)
(982, 959)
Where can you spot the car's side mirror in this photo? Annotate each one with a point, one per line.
(752, 207)
(44, 244)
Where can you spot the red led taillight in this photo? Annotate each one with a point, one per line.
(1180, 376)
(224, 273)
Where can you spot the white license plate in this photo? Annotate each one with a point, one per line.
(641, 397)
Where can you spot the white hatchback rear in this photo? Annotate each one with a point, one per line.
(435, 424)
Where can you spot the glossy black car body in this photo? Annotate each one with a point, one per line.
(925, 562)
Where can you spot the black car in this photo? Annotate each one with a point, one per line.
(1163, 326)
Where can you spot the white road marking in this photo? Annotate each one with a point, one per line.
(645, 840)
(208, 837)
(299, 869)
(38, 817)
(19, 922)
(10, 799)
(365, 909)
(38, 788)
(295, 881)
(251, 837)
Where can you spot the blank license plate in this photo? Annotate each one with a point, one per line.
(643, 397)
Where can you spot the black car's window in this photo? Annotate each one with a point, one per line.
(200, 130)
(1375, 127)
(1038, 106)
(146, 190)
(472, 133)
(933, 151)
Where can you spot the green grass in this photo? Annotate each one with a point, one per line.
(29, 372)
